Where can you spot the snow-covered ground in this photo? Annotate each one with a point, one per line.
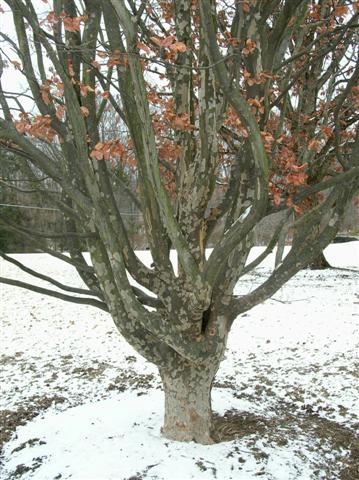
(77, 402)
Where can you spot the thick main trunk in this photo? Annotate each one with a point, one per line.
(188, 411)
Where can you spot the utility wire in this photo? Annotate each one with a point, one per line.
(27, 206)
(57, 209)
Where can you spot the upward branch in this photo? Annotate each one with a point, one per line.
(151, 162)
(234, 97)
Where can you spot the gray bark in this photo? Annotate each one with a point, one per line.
(188, 410)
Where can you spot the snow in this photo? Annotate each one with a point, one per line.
(97, 440)
(291, 362)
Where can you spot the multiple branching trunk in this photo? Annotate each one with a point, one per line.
(225, 94)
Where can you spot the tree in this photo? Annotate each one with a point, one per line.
(227, 113)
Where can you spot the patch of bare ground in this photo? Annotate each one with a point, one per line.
(21, 469)
(11, 419)
(131, 379)
(90, 373)
(10, 359)
(336, 446)
(334, 437)
(142, 475)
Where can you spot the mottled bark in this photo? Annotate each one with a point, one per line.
(188, 411)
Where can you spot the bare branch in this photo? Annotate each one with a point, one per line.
(52, 293)
(48, 279)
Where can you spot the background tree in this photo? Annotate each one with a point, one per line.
(23, 206)
(227, 112)
(8, 239)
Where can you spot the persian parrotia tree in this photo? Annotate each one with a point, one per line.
(226, 113)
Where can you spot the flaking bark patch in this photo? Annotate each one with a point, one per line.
(188, 410)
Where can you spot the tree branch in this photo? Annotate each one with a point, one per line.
(52, 293)
(48, 279)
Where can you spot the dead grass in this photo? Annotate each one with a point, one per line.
(336, 446)
(11, 419)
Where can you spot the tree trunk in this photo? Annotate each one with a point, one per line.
(319, 263)
(188, 411)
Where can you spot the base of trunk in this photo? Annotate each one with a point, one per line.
(320, 263)
(181, 432)
(188, 412)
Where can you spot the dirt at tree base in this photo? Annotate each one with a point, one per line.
(329, 437)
